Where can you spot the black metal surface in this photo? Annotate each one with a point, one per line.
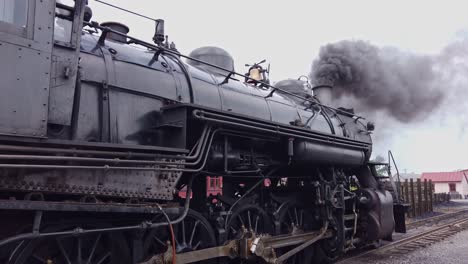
(81, 231)
(151, 46)
(46, 206)
(108, 118)
(399, 211)
(259, 125)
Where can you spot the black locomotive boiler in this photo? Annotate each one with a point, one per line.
(101, 133)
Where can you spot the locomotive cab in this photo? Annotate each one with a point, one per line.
(43, 39)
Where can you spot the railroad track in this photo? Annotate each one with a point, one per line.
(419, 240)
(436, 219)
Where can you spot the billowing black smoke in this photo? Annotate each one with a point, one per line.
(404, 85)
(394, 88)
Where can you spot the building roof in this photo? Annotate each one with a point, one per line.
(406, 175)
(453, 176)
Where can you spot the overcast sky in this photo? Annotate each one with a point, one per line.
(289, 34)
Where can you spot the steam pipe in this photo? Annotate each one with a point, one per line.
(103, 152)
(106, 167)
(199, 114)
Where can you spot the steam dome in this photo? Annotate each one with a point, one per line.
(213, 55)
(297, 87)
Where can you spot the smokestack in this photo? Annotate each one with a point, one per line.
(324, 94)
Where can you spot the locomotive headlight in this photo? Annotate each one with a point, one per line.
(255, 74)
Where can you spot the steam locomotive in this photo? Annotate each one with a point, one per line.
(107, 142)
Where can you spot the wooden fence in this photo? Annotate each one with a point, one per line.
(420, 195)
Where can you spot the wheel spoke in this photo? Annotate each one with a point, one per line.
(193, 231)
(295, 213)
(256, 222)
(248, 217)
(302, 218)
(107, 255)
(183, 233)
(234, 231)
(62, 250)
(93, 249)
(290, 217)
(196, 246)
(39, 258)
(159, 241)
(240, 220)
(79, 250)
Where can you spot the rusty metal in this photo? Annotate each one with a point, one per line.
(228, 250)
(263, 246)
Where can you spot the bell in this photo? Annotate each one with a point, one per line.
(255, 74)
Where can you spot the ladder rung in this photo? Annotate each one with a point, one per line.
(349, 217)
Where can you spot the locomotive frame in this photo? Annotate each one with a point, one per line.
(92, 195)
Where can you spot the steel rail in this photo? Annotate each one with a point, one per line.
(408, 240)
(441, 217)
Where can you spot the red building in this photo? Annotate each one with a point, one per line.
(455, 182)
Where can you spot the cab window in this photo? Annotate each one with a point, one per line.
(382, 171)
(63, 21)
(14, 12)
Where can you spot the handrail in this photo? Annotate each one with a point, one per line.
(397, 187)
(145, 44)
